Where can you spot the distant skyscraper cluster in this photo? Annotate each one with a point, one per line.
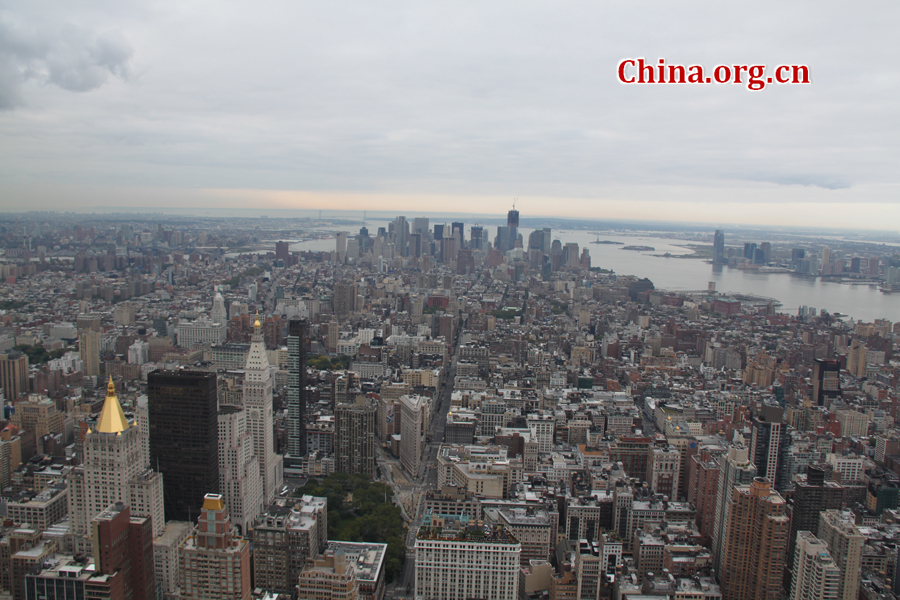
(446, 244)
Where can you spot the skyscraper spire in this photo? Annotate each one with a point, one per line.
(260, 418)
(112, 417)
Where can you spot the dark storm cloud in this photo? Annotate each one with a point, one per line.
(70, 57)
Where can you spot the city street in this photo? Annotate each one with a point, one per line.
(411, 493)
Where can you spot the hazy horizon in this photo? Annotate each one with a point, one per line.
(490, 220)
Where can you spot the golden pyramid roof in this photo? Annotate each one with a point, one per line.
(112, 417)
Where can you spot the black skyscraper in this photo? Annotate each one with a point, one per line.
(476, 234)
(184, 438)
(826, 381)
(749, 250)
(296, 393)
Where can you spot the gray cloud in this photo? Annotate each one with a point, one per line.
(817, 180)
(827, 183)
(509, 97)
(70, 57)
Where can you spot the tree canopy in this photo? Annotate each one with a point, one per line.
(360, 510)
(38, 354)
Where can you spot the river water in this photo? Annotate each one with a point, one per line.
(858, 301)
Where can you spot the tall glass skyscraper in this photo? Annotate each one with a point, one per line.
(296, 393)
(184, 438)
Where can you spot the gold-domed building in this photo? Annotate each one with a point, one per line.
(115, 469)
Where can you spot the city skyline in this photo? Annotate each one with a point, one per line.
(390, 108)
(499, 412)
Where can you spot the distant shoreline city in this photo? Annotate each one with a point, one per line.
(394, 408)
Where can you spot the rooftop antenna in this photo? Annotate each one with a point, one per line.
(514, 203)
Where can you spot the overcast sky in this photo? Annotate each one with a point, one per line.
(462, 106)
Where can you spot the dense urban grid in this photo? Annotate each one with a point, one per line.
(431, 411)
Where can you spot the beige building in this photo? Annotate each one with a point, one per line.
(756, 543)
(664, 471)
(368, 560)
(853, 423)
(89, 350)
(123, 314)
(214, 560)
(260, 417)
(13, 374)
(814, 576)
(114, 470)
(40, 510)
(239, 474)
(38, 415)
(533, 528)
(284, 537)
(26, 552)
(479, 470)
(165, 554)
(412, 444)
(845, 541)
(489, 480)
(331, 577)
(388, 417)
(430, 378)
(10, 454)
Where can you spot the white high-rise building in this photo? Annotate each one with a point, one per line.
(340, 245)
(458, 562)
(142, 422)
(201, 332)
(219, 314)
(845, 541)
(420, 226)
(850, 467)
(240, 480)
(138, 353)
(260, 420)
(541, 427)
(115, 469)
(412, 411)
(815, 576)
